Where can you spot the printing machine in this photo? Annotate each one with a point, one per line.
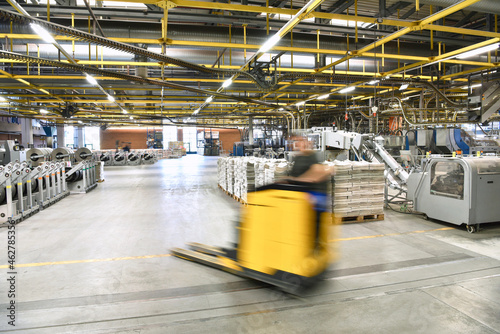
(463, 190)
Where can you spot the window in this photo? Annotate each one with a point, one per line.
(169, 135)
(447, 179)
(488, 166)
(69, 136)
(92, 138)
(189, 139)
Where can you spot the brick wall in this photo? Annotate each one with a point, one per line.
(137, 137)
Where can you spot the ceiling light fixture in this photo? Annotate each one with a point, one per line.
(472, 86)
(269, 44)
(478, 51)
(323, 97)
(209, 99)
(347, 89)
(44, 111)
(403, 86)
(301, 103)
(227, 83)
(111, 99)
(3, 99)
(373, 82)
(44, 34)
(91, 79)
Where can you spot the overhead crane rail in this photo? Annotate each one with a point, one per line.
(102, 41)
(105, 73)
(90, 38)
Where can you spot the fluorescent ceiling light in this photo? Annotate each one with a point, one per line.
(125, 111)
(111, 99)
(3, 99)
(270, 43)
(44, 111)
(44, 34)
(281, 109)
(472, 86)
(478, 51)
(300, 103)
(91, 79)
(227, 83)
(209, 99)
(403, 86)
(347, 89)
(131, 117)
(405, 98)
(322, 97)
(196, 111)
(80, 122)
(373, 82)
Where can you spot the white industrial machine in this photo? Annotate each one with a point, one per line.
(458, 190)
(11, 151)
(120, 158)
(106, 157)
(134, 158)
(149, 158)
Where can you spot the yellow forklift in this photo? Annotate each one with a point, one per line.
(281, 240)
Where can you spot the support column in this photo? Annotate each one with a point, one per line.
(80, 136)
(304, 116)
(60, 136)
(26, 132)
(250, 130)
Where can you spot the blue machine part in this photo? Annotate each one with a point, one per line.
(238, 149)
(458, 139)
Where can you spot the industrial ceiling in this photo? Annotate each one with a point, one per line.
(205, 63)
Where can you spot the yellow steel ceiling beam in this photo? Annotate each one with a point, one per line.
(30, 85)
(448, 55)
(413, 26)
(238, 46)
(282, 11)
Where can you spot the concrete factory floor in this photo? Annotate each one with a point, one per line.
(100, 263)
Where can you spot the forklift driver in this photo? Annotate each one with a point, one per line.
(307, 169)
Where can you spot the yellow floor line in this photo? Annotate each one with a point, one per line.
(390, 234)
(41, 264)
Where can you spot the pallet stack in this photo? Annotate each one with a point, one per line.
(238, 176)
(357, 191)
(221, 173)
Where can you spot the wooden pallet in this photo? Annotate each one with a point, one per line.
(236, 198)
(359, 219)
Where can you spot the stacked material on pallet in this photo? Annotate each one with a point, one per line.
(230, 175)
(221, 172)
(260, 172)
(275, 171)
(244, 177)
(245, 174)
(357, 188)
